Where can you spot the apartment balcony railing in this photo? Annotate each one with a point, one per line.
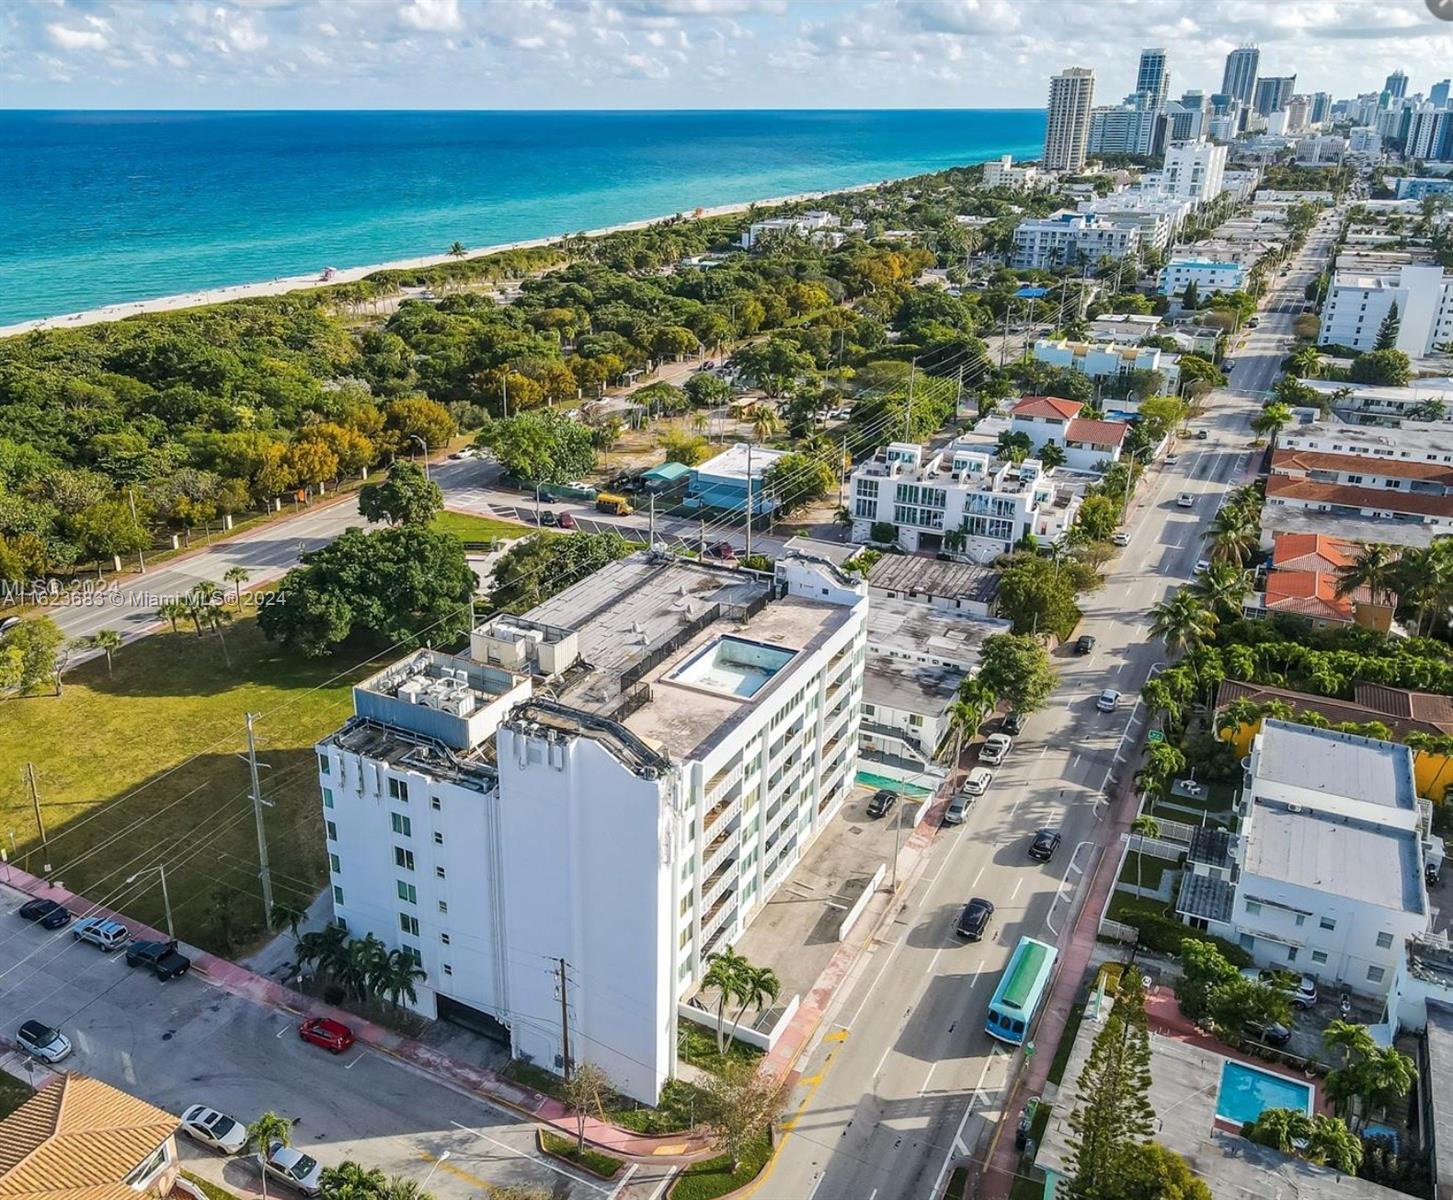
(722, 911)
(718, 784)
(718, 882)
(724, 811)
(720, 850)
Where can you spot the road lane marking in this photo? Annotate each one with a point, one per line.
(977, 877)
(1019, 883)
(535, 1158)
(356, 1061)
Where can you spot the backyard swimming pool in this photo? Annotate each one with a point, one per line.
(1246, 1092)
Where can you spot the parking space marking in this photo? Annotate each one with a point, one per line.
(283, 1030)
(362, 1055)
(535, 1158)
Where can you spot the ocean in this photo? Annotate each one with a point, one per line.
(106, 207)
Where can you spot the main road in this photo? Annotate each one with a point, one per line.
(904, 1082)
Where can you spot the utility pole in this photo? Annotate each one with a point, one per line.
(504, 383)
(564, 1023)
(908, 408)
(140, 554)
(651, 544)
(842, 472)
(701, 537)
(264, 872)
(959, 392)
(35, 803)
(751, 501)
(1004, 337)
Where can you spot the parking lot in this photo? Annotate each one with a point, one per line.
(186, 1042)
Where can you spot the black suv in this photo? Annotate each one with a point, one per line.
(882, 803)
(1046, 842)
(974, 919)
(162, 957)
(1084, 643)
(1013, 723)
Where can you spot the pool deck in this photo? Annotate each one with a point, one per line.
(1164, 1017)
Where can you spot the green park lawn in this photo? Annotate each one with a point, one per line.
(143, 766)
(469, 528)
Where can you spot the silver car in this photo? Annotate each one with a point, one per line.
(214, 1129)
(292, 1167)
(40, 1041)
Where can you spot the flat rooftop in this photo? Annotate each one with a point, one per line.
(909, 687)
(1325, 852)
(406, 750)
(1287, 518)
(732, 462)
(1337, 765)
(1414, 441)
(916, 632)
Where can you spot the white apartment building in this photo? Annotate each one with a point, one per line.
(1208, 275)
(1001, 173)
(618, 779)
(1326, 873)
(1159, 217)
(821, 226)
(1066, 238)
(1067, 127)
(1124, 329)
(1099, 360)
(1357, 303)
(1369, 404)
(961, 500)
(1193, 171)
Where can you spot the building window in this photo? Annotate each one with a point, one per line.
(1328, 923)
(327, 797)
(402, 825)
(1384, 940)
(332, 830)
(444, 937)
(1375, 974)
(1253, 908)
(435, 803)
(408, 924)
(334, 865)
(438, 839)
(443, 906)
(1301, 919)
(1291, 954)
(413, 952)
(403, 858)
(439, 872)
(337, 894)
(1319, 956)
(447, 969)
(325, 765)
(398, 790)
(408, 892)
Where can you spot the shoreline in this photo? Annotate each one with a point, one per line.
(300, 283)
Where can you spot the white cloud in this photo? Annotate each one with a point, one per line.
(93, 37)
(432, 16)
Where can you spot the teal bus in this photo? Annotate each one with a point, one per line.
(1021, 989)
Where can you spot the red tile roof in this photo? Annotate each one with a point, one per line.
(1424, 707)
(1309, 492)
(1096, 433)
(1311, 594)
(1291, 460)
(1366, 707)
(1046, 406)
(1311, 552)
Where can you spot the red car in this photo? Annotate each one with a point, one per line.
(331, 1035)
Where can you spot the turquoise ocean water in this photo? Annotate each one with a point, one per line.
(104, 207)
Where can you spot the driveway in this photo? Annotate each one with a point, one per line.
(186, 1042)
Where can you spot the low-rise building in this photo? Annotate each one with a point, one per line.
(1325, 873)
(962, 500)
(80, 1139)
(1123, 329)
(1209, 276)
(1415, 187)
(724, 481)
(1159, 217)
(1428, 402)
(1027, 177)
(1067, 238)
(697, 722)
(1101, 360)
(1088, 445)
(953, 587)
(1285, 199)
(1194, 171)
(1358, 302)
(1304, 579)
(820, 226)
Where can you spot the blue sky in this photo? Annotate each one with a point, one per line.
(678, 53)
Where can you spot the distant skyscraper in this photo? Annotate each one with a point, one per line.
(1438, 96)
(1071, 94)
(1321, 107)
(1274, 93)
(1396, 85)
(1152, 79)
(1239, 80)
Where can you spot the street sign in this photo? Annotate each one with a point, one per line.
(1154, 737)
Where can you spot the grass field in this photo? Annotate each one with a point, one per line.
(469, 528)
(1150, 870)
(142, 768)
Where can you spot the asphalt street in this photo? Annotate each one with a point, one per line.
(904, 1082)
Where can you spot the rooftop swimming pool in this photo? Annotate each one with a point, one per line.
(733, 665)
(1246, 1092)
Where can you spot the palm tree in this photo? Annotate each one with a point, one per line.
(1305, 363)
(1385, 1077)
(1182, 620)
(1234, 536)
(1143, 826)
(1222, 589)
(268, 1129)
(173, 610)
(1354, 1040)
(1425, 577)
(765, 423)
(1235, 715)
(1373, 568)
(218, 617)
(759, 988)
(108, 641)
(350, 1181)
(1279, 1128)
(400, 974)
(286, 916)
(457, 250)
(725, 970)
(236, 576)
(1270, 419)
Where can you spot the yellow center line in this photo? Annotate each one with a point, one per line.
(813, 1083)
(458, 1172)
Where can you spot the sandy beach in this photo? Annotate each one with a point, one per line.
(298, 283)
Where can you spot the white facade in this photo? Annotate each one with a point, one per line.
(1067, 127)
(1159, 217)
(962, 490)
(696, 736)
(1001, 173)
(1067, 238)
(1124, 329)
(1357, 303)
(1179, 273)
(1101, 359)
(1194, 171)
(1326, 869)
(815, 224)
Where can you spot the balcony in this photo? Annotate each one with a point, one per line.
(717, 853)
(715, 886)
(723, 812)
(722, 911)
(717, 785)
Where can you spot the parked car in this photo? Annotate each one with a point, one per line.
(1227, 365)
(996, 746)
(1273, 1033)
(548, 518)
(724, 551)
(1121, 537)
(1301, 990)
(40, 1041)
(214, 1129)
(1172, 459)
(1202, 564)
(1305, 995)
(567, 520)
(291, 1167)
(326, 1032)
(1108, 700)
(1084, 644)
(1013, 723)
(977, 782)
(7, 624)
(50, 914)
(1253, 322)
(1201, 435)
(1185, 500)
(974, 919)
(165, 961)
(882, 802)
(958, 808)
(1044, 844)
(101, 931)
